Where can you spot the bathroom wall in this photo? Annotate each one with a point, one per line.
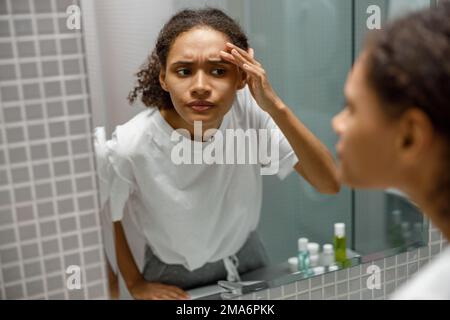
(48, 192)
(119, 36)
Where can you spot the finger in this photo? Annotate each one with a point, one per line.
(239, 58)
(243, 60)
(248, 55)
(227, 56)
(182, 293)
(173, 295)
(166, 296)
(253, 71)
(230, 58)
(177, 293)
(239, 61)
(241, 51)
(251, 52)
(174, 292)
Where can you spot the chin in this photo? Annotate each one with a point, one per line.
(205, 118)
(357, 181)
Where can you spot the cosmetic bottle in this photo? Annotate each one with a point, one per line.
(327, 255)
(340, 247)
(293, 264)
(303, 255)
(313, 249)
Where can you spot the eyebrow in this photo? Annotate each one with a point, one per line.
(213, 61)
(347, 97)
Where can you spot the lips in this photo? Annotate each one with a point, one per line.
(200, 105)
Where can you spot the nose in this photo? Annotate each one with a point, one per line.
(337, 123)
(200, 86)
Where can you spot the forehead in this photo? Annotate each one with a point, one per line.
(198, 42)
(356, 82)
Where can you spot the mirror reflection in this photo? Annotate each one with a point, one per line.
(185, 212)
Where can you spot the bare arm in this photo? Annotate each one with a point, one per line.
(316, 165)
(138, 287)
(125, 260)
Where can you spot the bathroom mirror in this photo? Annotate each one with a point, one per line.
(307, 48)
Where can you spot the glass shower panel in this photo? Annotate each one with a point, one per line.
(306, 49)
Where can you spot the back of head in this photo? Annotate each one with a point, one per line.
(408, 66)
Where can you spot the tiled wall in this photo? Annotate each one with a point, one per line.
(48, 193)
(351, 283)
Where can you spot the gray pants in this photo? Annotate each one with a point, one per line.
(251, 256)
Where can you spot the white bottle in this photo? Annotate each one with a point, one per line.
(327, 255)
(313, 249)
(293, 264)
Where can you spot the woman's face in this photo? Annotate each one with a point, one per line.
(367, 139)
(201, 85)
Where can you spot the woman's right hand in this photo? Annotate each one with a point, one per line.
(143, 290)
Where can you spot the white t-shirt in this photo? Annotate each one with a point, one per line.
(190, 214)
(432, 283)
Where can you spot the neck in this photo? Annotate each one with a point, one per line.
(177, 122)
(419, 187)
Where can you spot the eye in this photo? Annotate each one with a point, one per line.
(350, 108)
(218, 71)
(183, 72)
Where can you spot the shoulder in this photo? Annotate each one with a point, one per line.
(246, 107)
(433, 282)
(128, 136)
(244, 101)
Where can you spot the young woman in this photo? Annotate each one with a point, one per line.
(199, 220)
(395, 128)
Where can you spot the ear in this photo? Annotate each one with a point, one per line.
(416, 134)
(162, 80)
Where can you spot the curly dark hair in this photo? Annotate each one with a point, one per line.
(408, 66)
(148, 86)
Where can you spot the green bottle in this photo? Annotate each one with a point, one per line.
(340, 247)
